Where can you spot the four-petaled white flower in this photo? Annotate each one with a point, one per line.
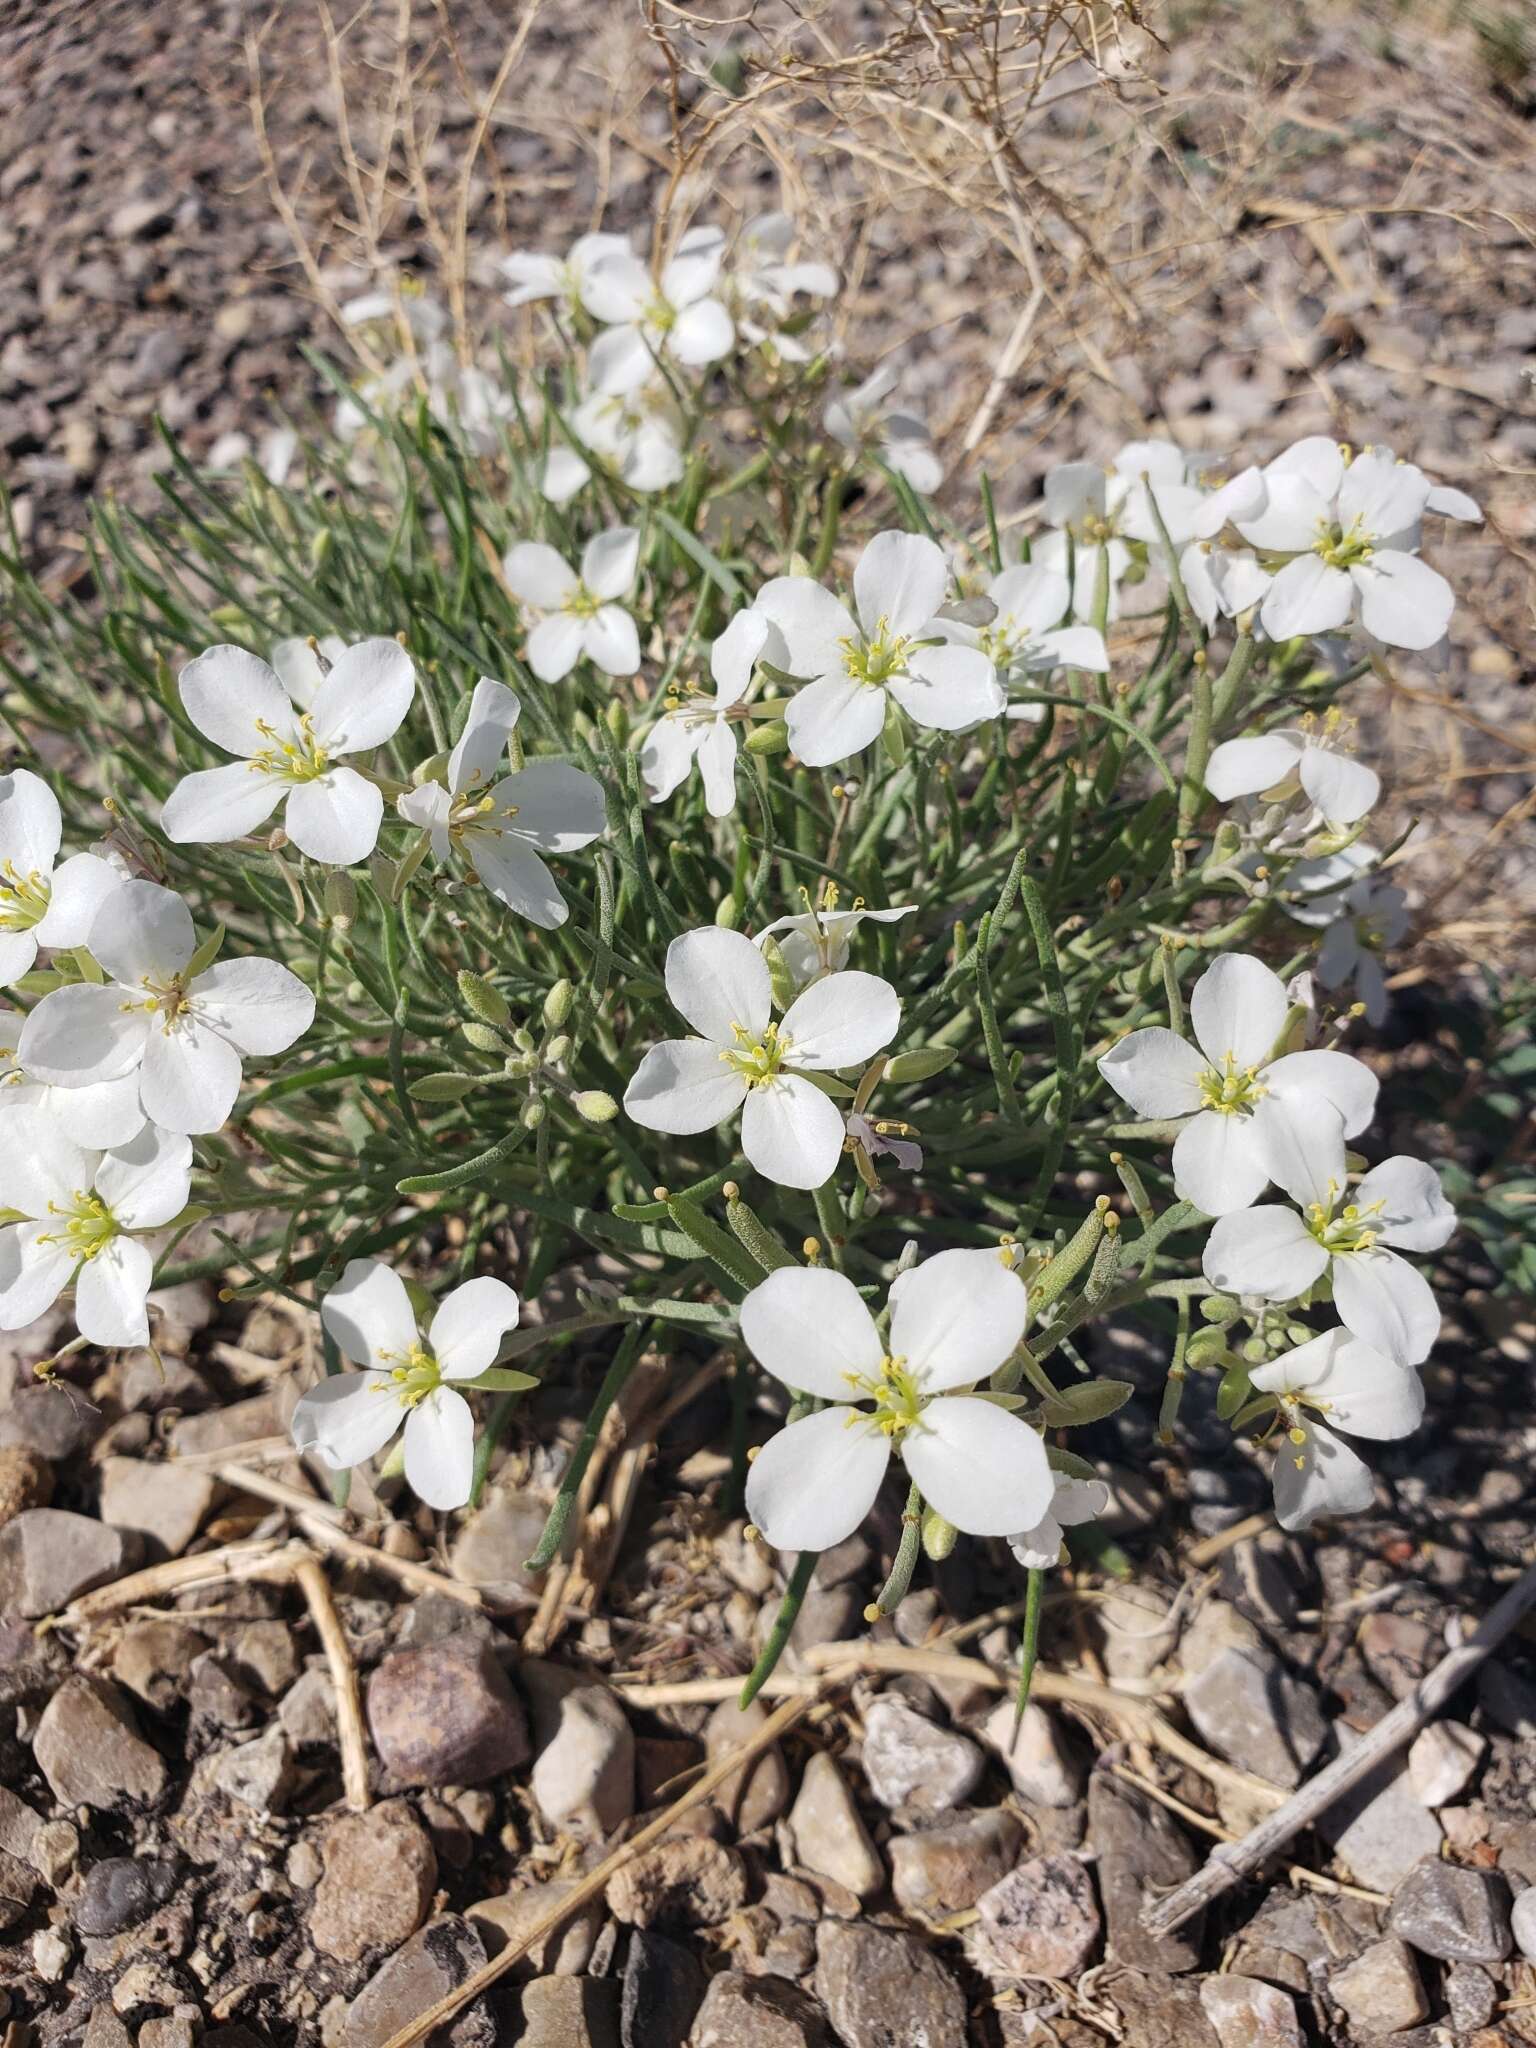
(100, 1117)
(183, 1034)
(1356, 1389)
(954, 1320)
(637, 434)
(817, 942)
(790, 1130)
(1249, 1110)
(1305, 759)
(860, 420)
(43, 901)
(1221, 577)
(1024, 637)
(332, 812)
(1346, 531)
(84, 1216)
(762, 283)
(1094, 514)
(583, 617)
(534, 275)
(699, 730)
(1073, 1502)
(895, 649)
(646, 317)
(1362, 915)
(351, 1415)
(501, 829)
(1277, 1255)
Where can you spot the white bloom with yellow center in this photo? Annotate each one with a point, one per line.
(791, 1131)
(534, 275)
(954, 1320)
(675, 314)
(1311, 759)
(404, 1383)
(43, 901)
(818, 942)
(1335, 1382)
(698, 730)
(582, 618)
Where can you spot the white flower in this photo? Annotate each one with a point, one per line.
(1248, 1110)
(762, 283)
(84, 1214)
(674, 316)
(1096, 513)
(954, 1319)
(533, 275)
(501, 828)
(1222, 578)
(1350, 527)
(637, 434)
(43, 901)
(1023, 638)
(894, 649)
(1074, 1502)
(351, 1415)
(817, 942)
(697, 730)
(1362, 916)
(881, 1137)
(583, 619)
(183, 1035)
(301, 666)
(1276, 1255)
(1360, 1392)
(790, 1130)
(859, 420)
(1305, 759)
(290, 755)
(100, 1118)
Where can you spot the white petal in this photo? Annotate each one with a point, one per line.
(365, 697)
(1237, 1010)
(1319, 1477)
(734, 656)
(514, 874)
(1343, 790)
(810, 1328)
(609, 561)
(80, 886)
(667, 756)
(1414, 1214)
(1241, 497)
(347, 1418)
(955, 1318)
(40, 1168)
(368, 1313)
(1038, 1548)
(1031, 598)
(717, 765)
(469, 1325)
(619, 362)
(190, 1077)
(440, 1449)
(560, 809)
(18, 955)
(1073, 488)
(297, 666)
(618, 288)
(539, 575)
(82, 1034)
(1307, 596)
(718, 980)
(832, 720)
(702, 333)
(110, 1292)
(1069, 647)
(682, 1086)
(214, 805)
(813, 1484)
(1267, 1251)
(533, 275)
(554, 646)
(493, 714)
(1156, 1072)
(1219, 1163)
(610, 642)
(910, 454)
(1364, 1392)
(335, 820)
(147, 1181)
(1381, 495)
(1348, 1085)
(842, 1021)
(1302, 1142)
(142, 932)
(949, 689)
(236, 701)
(31, 823)
(693, 271)
(1453, 504)
(791, 1132)
(258, 1005)
(899, 583)
(1402, 600)
(101, 1115)
(564, 475)
(809, 624)
(1245, 767)
(983, 1469)
(1318, 459)
(32, 1276)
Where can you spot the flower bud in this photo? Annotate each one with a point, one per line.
(771, 737)
(557, 1047)
(488, 1003)
(319, 549)
(617, 717)
(520, 1065)
(481, 1036)
(1207, 1348)
(780, 979)
(938, 1535)
(341, 899)
(921, 1064)
(727, 913)
(534, 1113)
(593, 1106)
(523, 1039)
(443, 1087)
(557, 1004)
(1222, 1309)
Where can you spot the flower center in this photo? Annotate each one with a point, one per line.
(756, 1057)
(88, 1226)
(875, 657)
(23, 897)
(896, 1394)
(479, 814)
(412, 1375)
(581, 604)
(292, 760)
(1341, 549)
(660, 316)
(1093, 529)
(171, 1000)
(1230, 1088)
(1351, 1230)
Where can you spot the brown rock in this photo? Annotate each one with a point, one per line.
(431, 1964)
(944, 1870)
(685, 1881)
(165, 1504)
(153, 1659)
(886, 1990)
(754, 1796)
(1040, 1920)
(378, 1882)
(47, 1557)
(565, 1952)
(26, 1481)
(89, 1749)
(446, 1714)
(759, 2012)
(570, 2012)
(1142, 1853)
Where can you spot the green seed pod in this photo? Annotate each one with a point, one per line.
(771, 737)
(381, 873)
(487, 1003)
(921, 1063)
(779, 976)
(557, 1048)
(443, 1087)
(939, 1536)
(617, 717)
(534, 1114)
(593, 1106)
(481, 1036)
(341, 899)
(557, 1004)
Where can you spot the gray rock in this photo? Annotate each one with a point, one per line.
(308, 1708)
(153, 1659)
(263, 1654)
(1471, 1997)
(583, 1779)
(434, 1962)
(1250, 1710)
(685, 1881)
(946, 1869)
(1523, 1923)
(1249, 2014)
(89, 1749)
(53, 1421)
(1380, 1827)
(914, 1765)
(378, 1881)
(1142, 1853)
(260, 1774)
(886, 1990)
(759, 2012)
(662, 1989)
(754, 1796)
(48, 1557)
(564, 1953)
(164, 1504)
(830, 1837)
(1041, 1920)
(570, 2012)
(1457, 1915)
(490, 1549)
(18, 1888)
(1381, 1990)
(446, 1714)
(120, 1891)
(1042, 1763)
(1443, 1761)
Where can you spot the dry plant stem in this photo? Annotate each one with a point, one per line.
(299, 1499)
(349, 1706)
(1230, 1864)
(596, 1881)
(419, 1577)
(268, 1557)
(1211, 1547)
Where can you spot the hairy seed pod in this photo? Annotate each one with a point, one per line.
(557, 1004)
(341, 899)
(771, 737)
(939, 1536)
(921, 1063)
(487, 1003)
(594, 1106)
(534, 1114)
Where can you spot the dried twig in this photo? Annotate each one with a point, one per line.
(268, 1557)
(349, 1708)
